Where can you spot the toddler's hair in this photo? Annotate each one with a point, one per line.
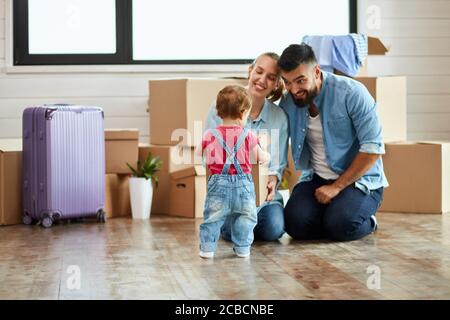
(232, 101)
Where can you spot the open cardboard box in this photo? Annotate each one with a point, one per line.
(188, 192)
(374, 47)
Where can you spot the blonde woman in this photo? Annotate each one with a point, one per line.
(265, 87)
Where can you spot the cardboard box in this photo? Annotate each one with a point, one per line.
(260, 174)
(374, 47)
(121, 146)
(291, 174)
(390, 94)
(11, 208)
(188, 192)
(117, 196)
(419, 177)
(174, 158)
(182, 104)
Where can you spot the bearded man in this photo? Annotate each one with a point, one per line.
(337, 145)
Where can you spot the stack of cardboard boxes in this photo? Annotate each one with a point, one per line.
(121, 147)
(389, 93)
(178, 109)
(418, 172)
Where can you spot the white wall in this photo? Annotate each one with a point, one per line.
(417, 30)
(419, 34)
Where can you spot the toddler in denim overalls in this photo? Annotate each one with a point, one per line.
(230, 186)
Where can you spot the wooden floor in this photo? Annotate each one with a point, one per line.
(158, 259)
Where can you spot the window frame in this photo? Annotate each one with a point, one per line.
(124, 43)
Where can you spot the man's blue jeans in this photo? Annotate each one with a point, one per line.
(270, 224)
(345, 218)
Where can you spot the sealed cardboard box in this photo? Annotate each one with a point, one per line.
(390, 94)
(117, 196)
(182, 104)
(419, 177)
(10, 182)
(173, 158)
(188, 192)
(374, 47)
(121, 146)
(260, 174)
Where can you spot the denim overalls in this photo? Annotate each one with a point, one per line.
(229, 195)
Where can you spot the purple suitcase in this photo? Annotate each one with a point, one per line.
(63, 163)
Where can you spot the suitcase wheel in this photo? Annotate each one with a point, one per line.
(47, 222)
(101, 216)
(26, 219)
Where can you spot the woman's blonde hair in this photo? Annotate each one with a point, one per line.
(276, 94)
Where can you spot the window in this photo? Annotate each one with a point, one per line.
(70, 32)
(169, 31)
(71, 27)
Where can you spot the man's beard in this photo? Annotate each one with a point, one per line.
(309, 97)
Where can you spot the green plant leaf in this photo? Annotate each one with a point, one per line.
(147, 169)
(135, 173)
(147, 176)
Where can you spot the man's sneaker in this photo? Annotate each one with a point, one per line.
(206, 255)
(285, 239)
(374, 222)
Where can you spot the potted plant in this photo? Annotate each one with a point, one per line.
(141, 188)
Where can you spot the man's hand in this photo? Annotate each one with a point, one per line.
(326, 193)
(271, 187)
(360, 165)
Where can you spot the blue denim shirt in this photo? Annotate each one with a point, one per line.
(272, 119)
(350, 125)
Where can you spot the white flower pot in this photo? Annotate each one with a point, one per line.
(285, 194)
(141, 193)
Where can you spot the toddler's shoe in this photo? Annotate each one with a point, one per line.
(206, 255)
(242, 254)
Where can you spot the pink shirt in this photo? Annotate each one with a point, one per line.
(216, 155)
